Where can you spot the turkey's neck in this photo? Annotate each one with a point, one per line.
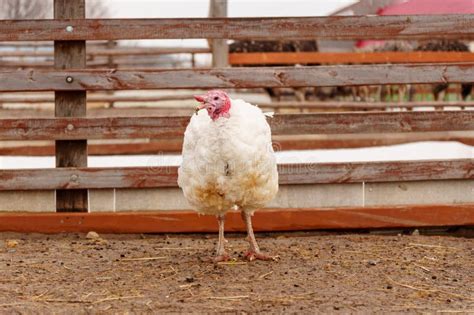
(222, 111)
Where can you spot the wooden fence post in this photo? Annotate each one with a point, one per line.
(220, 50)
(70, 55)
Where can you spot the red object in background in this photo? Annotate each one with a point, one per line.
(412, 7)
(422, 7)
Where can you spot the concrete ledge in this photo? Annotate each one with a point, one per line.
(422, 192)
(289, 196)
(31, 201)
(101, 200)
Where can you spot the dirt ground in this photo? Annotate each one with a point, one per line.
(352, 273)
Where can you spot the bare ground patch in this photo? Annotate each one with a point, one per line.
(171, 274)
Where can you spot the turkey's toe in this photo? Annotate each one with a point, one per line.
(220, 258)
(253, 255)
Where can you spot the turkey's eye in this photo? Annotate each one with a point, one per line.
(216, 98)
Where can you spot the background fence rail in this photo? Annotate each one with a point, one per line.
(333, 27)
(280, 58)
(81, 80)
(157, 127)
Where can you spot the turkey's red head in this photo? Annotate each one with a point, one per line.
(216, 102)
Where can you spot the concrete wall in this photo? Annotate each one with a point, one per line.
(290, 196)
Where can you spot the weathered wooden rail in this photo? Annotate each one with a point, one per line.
(70, 81)
(158, 127)
(93, 80)
(289, 174)
(334, 27)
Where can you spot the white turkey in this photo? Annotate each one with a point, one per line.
(228, 163)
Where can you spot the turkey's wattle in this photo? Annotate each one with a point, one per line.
(228, 162)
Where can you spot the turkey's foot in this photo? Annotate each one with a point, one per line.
(221, 258)
(252, 255)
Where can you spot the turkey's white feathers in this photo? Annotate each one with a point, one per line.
(269, 114)
(228, 162)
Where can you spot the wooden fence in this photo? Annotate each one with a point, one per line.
(70, 79)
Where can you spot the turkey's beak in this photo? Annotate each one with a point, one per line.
(201, 99)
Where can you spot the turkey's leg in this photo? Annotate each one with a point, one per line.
(221, 254)
(254, 251)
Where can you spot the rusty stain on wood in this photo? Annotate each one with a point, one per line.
(416, 27)
(184, 221)
(279, 58)
(49, 80)
(289, 174)
(291, 124)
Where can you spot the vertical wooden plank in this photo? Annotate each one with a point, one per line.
(110, 64)
(70, 55)
(220, 50)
